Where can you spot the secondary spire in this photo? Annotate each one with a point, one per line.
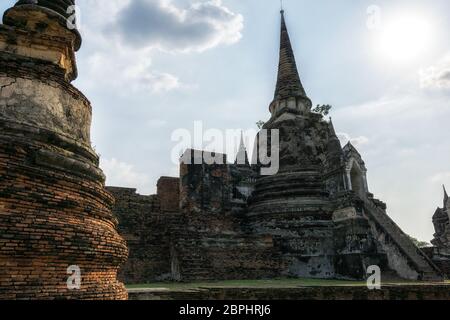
(242, 156)
(332, 130)
(445, 197)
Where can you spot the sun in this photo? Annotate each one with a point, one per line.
(405, 38)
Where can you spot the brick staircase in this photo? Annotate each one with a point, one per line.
(421, 262)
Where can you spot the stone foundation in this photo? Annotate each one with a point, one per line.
(391, 292)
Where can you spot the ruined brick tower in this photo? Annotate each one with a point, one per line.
(54, 210)
(314, 217)
(318, 207)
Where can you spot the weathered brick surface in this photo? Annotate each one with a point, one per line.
(51, 218)
(146, 230)
(54, 210)
(215, 243)
(169, 194)
(192, 229)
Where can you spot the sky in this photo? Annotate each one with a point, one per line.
(151, 67)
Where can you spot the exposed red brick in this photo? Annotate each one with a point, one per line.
(169, 193)
(54, 209)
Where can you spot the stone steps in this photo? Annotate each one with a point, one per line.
(419, 259)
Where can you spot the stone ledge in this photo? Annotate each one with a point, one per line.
(344, 292)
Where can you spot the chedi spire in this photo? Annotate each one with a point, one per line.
(445, 198)
(288, 82)
(242, 156)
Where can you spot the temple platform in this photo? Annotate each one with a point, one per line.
(290, 289)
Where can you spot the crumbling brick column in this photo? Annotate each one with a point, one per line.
(54, 209)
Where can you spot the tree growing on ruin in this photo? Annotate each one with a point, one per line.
(323, 109)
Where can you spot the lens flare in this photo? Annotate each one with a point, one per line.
(405, 38)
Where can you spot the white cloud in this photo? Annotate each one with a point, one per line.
(162, 24)
(157, 82)
(357, 141)
(120, 38)
(436, 77)
(94, 15)
(142, 77)
(441, 177)
(122, 174)
(131, 69)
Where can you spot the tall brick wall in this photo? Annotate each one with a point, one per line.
(214, 243)
(143, 227)
(190, 230)
(169, 194)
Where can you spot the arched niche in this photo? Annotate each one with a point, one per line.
(357, 180)
(356, 175)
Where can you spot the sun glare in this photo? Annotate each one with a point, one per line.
(405, 38)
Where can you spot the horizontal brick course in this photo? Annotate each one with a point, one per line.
(54, 209)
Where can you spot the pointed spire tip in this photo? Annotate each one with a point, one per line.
(288, 82)
(242, 156)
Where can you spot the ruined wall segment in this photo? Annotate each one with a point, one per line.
(169, 194)
(146, 228)
(215, 242)
(198, 237)
(54, 210)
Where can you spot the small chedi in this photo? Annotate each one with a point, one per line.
(54, 210)
(314, 218)
(440, 252)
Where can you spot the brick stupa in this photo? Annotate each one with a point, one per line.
(54, 210)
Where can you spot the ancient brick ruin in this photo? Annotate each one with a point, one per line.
(315, 218)
(54, 210)
(440, 252)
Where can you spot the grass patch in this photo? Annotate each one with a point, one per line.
(273, 283)
(278, 283)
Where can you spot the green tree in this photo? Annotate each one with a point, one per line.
(418, 243)
(260, 124)
(323, 109)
